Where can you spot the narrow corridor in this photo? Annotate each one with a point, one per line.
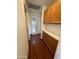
(37, 49)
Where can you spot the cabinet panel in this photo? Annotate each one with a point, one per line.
(53, 13)
(47, 15)
(50, 42)
(57, 12)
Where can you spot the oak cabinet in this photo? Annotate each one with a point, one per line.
(46, 16)
(50, 42)
(53, 13)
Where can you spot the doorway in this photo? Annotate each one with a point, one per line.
(35, 25)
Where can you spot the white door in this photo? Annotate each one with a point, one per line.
(35, 25)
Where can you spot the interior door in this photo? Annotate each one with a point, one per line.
(34, 25)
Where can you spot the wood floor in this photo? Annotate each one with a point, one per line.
(37, 49)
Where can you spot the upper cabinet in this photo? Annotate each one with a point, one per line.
(53, 13)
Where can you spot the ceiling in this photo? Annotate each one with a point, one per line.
(39, 2)
(33, 6)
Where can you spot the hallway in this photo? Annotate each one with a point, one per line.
(42, 19)
(37, 49)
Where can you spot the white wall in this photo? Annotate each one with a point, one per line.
(34, 12)
(22, 42)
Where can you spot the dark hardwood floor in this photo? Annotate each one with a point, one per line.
(37, 49)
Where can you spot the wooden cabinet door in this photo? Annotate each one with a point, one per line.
(46, 16)
(55, 15)
(50, 42)
(49, 15)
(57, 12)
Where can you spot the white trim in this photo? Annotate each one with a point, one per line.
(43, 9)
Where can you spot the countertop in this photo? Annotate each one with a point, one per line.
(53, 30)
